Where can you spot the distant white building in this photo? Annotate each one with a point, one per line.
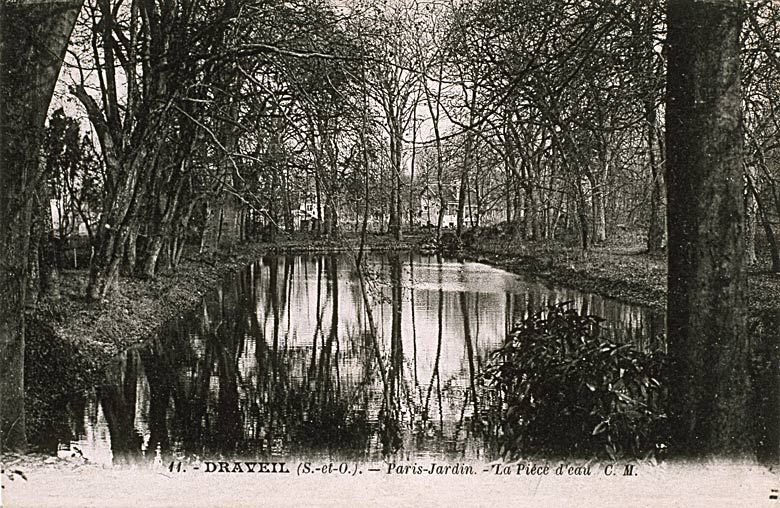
(65, 220)
(306, 215)
(430, 204)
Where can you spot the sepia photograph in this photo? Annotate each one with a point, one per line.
(389, 252)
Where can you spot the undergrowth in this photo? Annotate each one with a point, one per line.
(568, 391)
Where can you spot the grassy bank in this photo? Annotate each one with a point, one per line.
(139, 306)
(623, 271)
(625, 275)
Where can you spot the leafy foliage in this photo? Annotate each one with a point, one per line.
(568, 391)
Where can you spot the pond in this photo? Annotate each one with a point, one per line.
(300, 356)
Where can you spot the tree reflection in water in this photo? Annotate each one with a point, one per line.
(306, 356)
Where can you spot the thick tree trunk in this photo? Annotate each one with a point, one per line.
(583, 223)
(180, 233)
(596, 182)
(708, 340)
(34, 39)
(104, 271)
(121, 210)
(131, 251)
(152, 254)
(581, 206)
(164, 259)
(162, 230)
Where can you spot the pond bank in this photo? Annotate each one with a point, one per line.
(92, 334)
(139, 307)
(70, 341)
(628, 275)
(625, 273)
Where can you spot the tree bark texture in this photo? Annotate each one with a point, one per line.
(708, 340)
(34, 39)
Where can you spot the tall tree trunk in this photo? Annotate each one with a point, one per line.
(131, 251)
(396, 155)
(581, 207)
(413, 161)
(398, 233)
(707, 310)
(468, 155)
(120, 215)
(751, 224)
(597, 204)
(162, 229)
(599, 216)
(657, 227)
(34, 38)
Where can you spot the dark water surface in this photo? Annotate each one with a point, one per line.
(281, 361)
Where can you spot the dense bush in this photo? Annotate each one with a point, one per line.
(450, 243)
(57, 373)
(569, 392)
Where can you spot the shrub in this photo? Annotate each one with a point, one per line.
(450, 243)
(567, 391)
